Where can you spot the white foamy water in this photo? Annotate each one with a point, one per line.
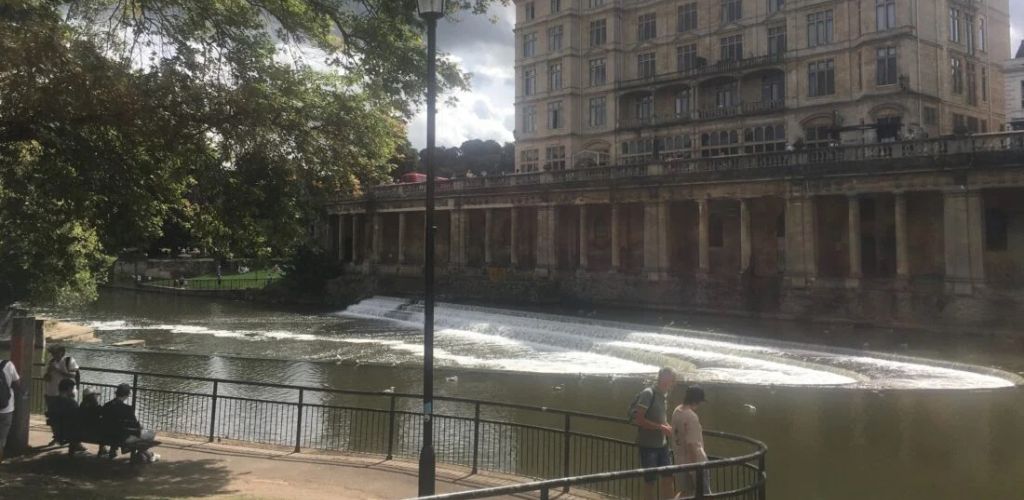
(484, 337)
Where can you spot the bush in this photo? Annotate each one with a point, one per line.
(308, 270)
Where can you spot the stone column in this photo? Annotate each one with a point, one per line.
(340, 244)
(655, 251)
(616, 238)
(963, 244)
(902, 252)
(456, 248)
(663, 254)
(377, 243)
(801, 240)
(854, 238)
(488, 237)
(513, 239)
(745, 236)
(584, 239)
(355, 238)
(703, 237)
(401, 237)
(545, 240)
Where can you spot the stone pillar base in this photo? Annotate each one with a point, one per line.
(852, 282)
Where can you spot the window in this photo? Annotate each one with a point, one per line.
(687, 17)
(731, 10)
(775, 5)
(777, 40)
(954, 24)
(555, 115)
(528, 10)
(819, 28)
(686, 57)
(554, 76)
(931, 115)
(967, 24)
(597, 112)
(682, 102)
(981, 34)
(593, 4)
(529, 81)
(637, 150)
(529, 44)
(646, 27)
(597, 72)
(958, 75)
(732, 48)
(556, 6)
(764, 139)
(885, 66)
(645, 65)
(555, 38)
(972, 87)
(554, 158)
(819, 136)
(530, 119)
(721, 143)
(773, 88)
(821, 78)
(676, 146)
(645, 108)
(528, 160)
(984, 84)
(598, 32)
(996, 229)
(727, 95)
(885, 14)
(888, 128)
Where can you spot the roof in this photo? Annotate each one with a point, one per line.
(1020, 51)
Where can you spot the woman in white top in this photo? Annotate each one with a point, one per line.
(688, 441)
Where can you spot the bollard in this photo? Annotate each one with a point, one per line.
(23, 334)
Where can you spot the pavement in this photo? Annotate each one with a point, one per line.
(191, 469)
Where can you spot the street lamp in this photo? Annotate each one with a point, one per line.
(430, 11)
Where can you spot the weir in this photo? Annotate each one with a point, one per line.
(483, 337)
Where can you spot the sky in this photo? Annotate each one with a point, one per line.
(487, 50)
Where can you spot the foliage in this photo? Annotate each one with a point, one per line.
(474, 156)
(308, 270)
(134, 123)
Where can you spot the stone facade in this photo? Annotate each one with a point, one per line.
(916, 232)
(610, 82)
(1013, 76)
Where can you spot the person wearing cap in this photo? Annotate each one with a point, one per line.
(64, 417)
(119, 419)
(688, 441)
(651, 418)
(60, 367)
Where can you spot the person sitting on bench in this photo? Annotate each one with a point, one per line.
(90, 414)
(64, 417)
(118, 418)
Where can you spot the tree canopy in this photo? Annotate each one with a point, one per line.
(226, 122)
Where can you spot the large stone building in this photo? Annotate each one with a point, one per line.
(603, 82)
(1013, 75)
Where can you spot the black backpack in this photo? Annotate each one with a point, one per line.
(5, 387)
(636, 399)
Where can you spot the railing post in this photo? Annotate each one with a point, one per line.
(476, 438)
(544, 493)
(298, 422)
(699, 483)
(213, 411)
(565, 456)
(391, 428)
(135, 389)
(762, 487)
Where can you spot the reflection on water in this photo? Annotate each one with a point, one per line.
(824, 441)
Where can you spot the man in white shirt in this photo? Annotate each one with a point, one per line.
(688, 441)
(61, 367)
(11, 387)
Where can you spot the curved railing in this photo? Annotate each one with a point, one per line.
(564, 448)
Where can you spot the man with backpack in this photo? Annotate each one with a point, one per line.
(10, 385)
(649, 413)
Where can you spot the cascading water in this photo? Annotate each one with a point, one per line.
(482, 337)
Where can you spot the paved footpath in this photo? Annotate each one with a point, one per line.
(190, 469)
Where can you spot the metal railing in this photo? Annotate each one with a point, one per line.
(211, 283)
(520, 440)
(982, 149)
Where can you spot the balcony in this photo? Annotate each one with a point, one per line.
(703, 70)
(709, 113)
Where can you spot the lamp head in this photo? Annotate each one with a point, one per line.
(431, 9)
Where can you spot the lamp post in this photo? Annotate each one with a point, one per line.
(430, 11)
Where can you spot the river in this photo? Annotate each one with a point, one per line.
(846, 411)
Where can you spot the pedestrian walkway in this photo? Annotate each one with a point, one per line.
(190, 469)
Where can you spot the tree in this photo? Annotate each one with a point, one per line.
(121, 119)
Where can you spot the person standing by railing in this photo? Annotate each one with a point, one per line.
(10, 388)
(649, 414)
(688, 441)
(60, 367)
